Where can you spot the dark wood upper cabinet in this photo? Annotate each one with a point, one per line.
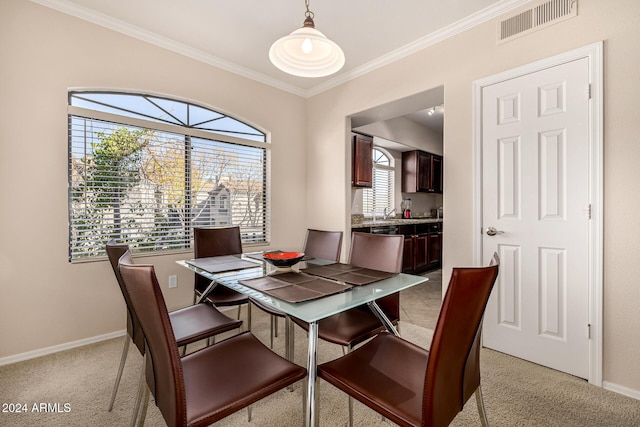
(421, 172)
(362, 162)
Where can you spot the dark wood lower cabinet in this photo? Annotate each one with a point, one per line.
(407, 254)
(434, 246)
(422, 246)
(422, 252)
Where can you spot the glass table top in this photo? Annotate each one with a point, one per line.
(314, 310)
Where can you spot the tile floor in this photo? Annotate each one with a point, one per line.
(420, 305)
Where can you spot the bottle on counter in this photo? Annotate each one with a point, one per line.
(406, 208)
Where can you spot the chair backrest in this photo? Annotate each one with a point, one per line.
(164, 369)
(379, 252)
(114, 252)
(453, 372)
(323, 244)
(216, 241)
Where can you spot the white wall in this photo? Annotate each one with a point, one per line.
(472, 55)
(45, 300)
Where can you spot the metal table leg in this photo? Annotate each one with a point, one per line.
(206, 292)
(312, 418)
(383, 318)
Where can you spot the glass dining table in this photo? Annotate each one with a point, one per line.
(309, 311)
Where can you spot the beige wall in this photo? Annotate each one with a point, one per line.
(406, 132)
(45, 300)
(456, 63)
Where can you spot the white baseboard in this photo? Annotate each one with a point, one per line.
(60, 347)
(73, 344)
(635, 394)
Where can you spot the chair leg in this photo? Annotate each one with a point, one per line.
(183, 350)
(142, 387)
(275, 333)
(123, 359)
(288, 339)
(481, 411)
(350, 398)
(145, 406)
(249, 412)
(249, 316)
(271, 333)
(350, 411)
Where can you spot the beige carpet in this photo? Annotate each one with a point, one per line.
(517, 393)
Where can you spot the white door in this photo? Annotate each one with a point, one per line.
(535, 194)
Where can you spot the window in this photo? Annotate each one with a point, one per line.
(145, 170)
(380, 196)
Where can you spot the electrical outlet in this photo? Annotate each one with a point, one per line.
(173, 281)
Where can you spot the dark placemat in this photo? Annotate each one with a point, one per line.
(219, 264)
(295, 287)
(348, 273)
(293, 277)
(264, 284)
(330, 270)
(324, 286)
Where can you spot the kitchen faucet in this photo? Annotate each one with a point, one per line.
(386, 214)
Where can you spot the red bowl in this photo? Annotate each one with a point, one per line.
(283, 259)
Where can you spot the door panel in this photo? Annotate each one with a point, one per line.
(535, 138)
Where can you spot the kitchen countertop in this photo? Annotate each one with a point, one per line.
(394, 221)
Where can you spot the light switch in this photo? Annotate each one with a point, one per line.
(173, 281)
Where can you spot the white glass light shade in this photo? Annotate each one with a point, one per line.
(306, 52)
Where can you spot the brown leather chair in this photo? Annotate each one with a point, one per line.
(207, 385)
(190, 324)
(349, 328)
(323, 244)
(219, 241)
(318, 244)
(414, 387)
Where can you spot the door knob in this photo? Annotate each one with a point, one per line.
(491, 231)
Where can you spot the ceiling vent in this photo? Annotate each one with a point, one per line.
(546, 13)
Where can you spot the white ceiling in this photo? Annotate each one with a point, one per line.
(236, 34)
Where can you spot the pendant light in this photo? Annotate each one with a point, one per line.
(307, 52)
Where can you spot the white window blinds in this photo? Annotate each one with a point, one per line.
(380, 195)
(149, 187)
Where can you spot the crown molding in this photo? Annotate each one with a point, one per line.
(164, 42)
(464, 24)
(458, 27)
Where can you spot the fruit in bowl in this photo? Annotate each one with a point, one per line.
(283, 259)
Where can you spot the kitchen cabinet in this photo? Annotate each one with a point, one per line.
(362, 162)
(422, 248)
(407, 254)
(421, 252)
(421, 172)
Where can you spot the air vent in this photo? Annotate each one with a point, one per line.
(535, 18)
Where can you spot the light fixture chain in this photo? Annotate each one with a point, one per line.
(308, 13)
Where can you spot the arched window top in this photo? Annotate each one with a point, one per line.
(382, 158)
(164, 110)
(380, 197)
